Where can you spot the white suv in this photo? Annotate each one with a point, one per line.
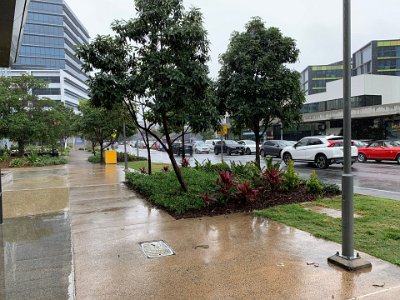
(320, 150)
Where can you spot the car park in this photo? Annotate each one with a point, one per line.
(177, 149)
(274, 147)
(201, 147)
(323, 151)
(229, 147)
(249, 146)
(380, 150)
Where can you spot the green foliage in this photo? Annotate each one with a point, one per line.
(291, 178)
(163, 189)
(331, 188)
(249, 170)
(95, 159)
(165, 72)
(4, 156)
(272, 175)
(208, 166)
(37, 161)
(25, 118)
(255, 86)
(130, 157)
(375, 233)
(313, 184)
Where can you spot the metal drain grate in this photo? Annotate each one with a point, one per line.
(153, 249)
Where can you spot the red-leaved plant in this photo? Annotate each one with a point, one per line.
(272, 175)
(207, 198)
(226, 182)
(246, 191)
(185, 163)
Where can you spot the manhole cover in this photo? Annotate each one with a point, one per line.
(154, 249)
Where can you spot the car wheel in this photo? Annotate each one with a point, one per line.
(262, 153)
(229, 152)
(321, 161)
(398, 159)
(361, 157)
(279, 154)
(216, 152)
(286, 157)
(378, 160)
(196, 151)
(248, 151)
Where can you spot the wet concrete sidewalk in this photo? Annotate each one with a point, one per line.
(226, 257)
(240, 256)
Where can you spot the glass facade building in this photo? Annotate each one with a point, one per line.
(377, 57)
(51, 33)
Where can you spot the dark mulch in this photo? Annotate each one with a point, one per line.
(264, 200)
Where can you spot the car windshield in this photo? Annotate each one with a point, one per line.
(231, 142)
(249, 142)
(288, 143)
(201, 144)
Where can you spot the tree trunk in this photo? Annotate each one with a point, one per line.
(101, 153)
(148, 153)
(256, 131)
(177, 170)
(183, 144)
(21, 148)
(93, 148)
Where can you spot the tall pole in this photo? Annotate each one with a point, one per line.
(347, 259)
(347, 177)
(125, 154)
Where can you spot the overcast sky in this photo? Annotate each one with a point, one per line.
(316, 25)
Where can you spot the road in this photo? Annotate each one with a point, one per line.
(378, 179)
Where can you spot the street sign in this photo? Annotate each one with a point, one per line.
(223, 130)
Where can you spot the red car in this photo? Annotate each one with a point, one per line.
(380, 150)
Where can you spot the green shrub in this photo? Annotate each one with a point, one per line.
(5, 155)
(209, 167)
(130, 157)
(291, 178)
(331, 188)
(163, 189)
(313, 184)
(18, 162)
(36, 161)
(94, 158)
(249, 170)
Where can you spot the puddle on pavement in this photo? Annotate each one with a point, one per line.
(330, 212)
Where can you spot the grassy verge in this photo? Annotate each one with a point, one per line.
(377, 232)
(155, 167)
(164, 190)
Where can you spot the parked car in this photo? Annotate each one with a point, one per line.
(177, 149)
(211, 143)
(320, 150)
(201, 147)
(274, 147)
(249, 146)
(229, 147)
(380, 150)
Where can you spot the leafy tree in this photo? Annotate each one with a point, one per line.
(101, 126)
(157, 60)
(254, 85)
(25, 118)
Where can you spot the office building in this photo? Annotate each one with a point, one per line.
(51, 33)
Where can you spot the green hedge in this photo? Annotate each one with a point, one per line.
(38, 161)
(163, 188)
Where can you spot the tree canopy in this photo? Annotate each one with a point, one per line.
(25, 118)
(158, 60)
(254, 85)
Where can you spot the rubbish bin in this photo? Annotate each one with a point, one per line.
(111, 157)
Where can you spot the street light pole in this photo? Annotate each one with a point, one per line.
(347, 259)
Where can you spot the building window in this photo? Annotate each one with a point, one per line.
(42, 92)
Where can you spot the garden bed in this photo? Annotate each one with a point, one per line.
(209, 193)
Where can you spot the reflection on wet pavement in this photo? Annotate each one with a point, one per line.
(37, 262)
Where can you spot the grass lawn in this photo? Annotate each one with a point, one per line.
(155, 167)
(377, 232)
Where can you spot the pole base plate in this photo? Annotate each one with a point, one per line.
(349, 264)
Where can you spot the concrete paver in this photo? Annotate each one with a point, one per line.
(240, 256)
(247, 257)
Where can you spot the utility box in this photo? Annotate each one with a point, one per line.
(110, 157)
